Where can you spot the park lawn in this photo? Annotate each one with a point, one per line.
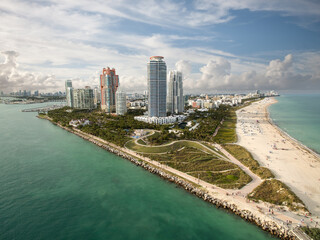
(233, 179)
(140, 141)
(213, 148)
(227, 132)
(244, 156)
(163, 149)
(314, 233)
(276, 192)
(207, 167)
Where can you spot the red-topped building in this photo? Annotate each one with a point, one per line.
(109, 83)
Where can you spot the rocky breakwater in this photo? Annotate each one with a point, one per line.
(269, 226)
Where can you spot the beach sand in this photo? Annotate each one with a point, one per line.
(291, 162)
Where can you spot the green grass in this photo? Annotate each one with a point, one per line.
(140, 141)
(207, 167)
(244, 156)
(276, 192)
(229, 179)
(154, 135)
(194, 159)
(212, 148)
(163, 149)
(227, 131)
(314, 233)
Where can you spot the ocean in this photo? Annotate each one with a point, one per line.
(299, 116)
(55, 185)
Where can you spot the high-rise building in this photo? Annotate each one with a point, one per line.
(175, 100)
(145, 93)
(121, 102)
(109, 83)
(69, 93)
(96, 96)
(157, 87)
(83, 98)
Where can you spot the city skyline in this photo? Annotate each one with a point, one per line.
(220, 46)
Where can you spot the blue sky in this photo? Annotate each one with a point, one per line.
(219, 45)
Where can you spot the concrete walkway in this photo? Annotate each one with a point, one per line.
(256, 180)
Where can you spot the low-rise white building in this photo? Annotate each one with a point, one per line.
(77, 122)
(161, 120)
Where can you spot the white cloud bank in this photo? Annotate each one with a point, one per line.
(11, 78)
(278, 75)
(216, 75)
(58, 40)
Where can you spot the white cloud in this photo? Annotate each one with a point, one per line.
(184, 66)
(75, 39)
(278, 68)
(297, 8)
(278, 74)
(11, 78)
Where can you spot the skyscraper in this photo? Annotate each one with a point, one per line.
(96, 96)
(69, 93)
(175, 100)
(157, 87)
(83, 98)
(121, 102)
(109, 83)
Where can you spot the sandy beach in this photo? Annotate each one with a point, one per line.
(291, 162)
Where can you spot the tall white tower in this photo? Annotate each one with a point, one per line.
(157, 87)
(69, 93)
(121, 102)
(175, 100)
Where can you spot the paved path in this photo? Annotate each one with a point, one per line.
(256, 180)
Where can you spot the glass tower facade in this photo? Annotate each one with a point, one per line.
(157, 87)
(175, 100)
(109, 83)
(83, 98)
(69, 93)
(121, 102)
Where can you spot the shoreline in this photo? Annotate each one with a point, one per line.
(292, 162)
(250, 211)
(282, 131)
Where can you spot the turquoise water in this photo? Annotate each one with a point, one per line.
(55, 185)
(299, 116)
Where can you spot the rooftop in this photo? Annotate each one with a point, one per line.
(156, 58)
